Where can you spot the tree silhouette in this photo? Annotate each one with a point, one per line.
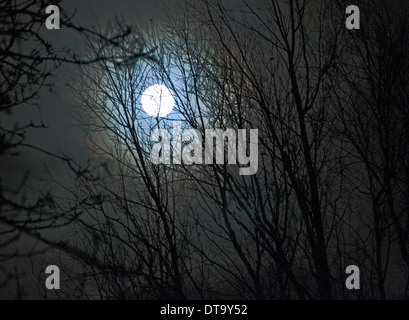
(27, 62)
(331, 189)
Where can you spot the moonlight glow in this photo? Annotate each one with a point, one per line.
(157, 101)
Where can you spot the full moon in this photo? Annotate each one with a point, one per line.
(157, 101)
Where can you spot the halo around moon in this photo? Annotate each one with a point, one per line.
(157, 101)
